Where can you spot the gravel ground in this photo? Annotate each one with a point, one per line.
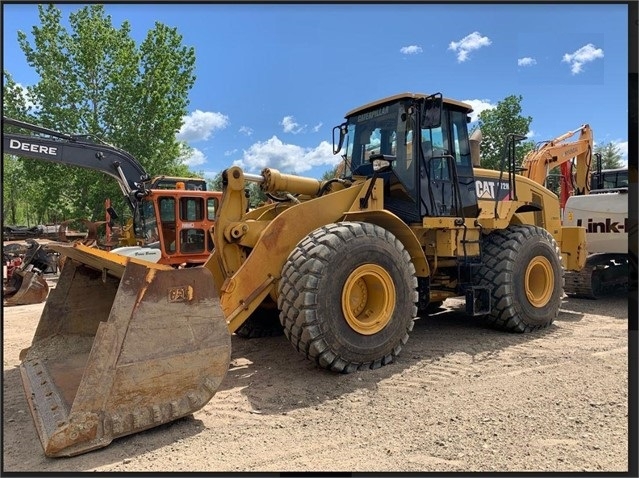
(461, 397)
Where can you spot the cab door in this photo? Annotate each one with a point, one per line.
(447, 179)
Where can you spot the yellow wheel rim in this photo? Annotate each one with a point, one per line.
(539, 281)
(368, 299)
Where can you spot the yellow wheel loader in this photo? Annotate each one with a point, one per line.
(347, 264)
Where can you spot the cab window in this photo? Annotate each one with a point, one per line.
(191, 209)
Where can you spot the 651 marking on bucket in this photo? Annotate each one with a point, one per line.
(181, 294)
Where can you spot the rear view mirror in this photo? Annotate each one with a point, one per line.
(343, 129)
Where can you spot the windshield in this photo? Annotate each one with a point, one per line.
(384, 130)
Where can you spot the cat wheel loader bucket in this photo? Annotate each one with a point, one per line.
(25, 287)
(122, 346)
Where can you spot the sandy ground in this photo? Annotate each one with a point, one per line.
(461, 397)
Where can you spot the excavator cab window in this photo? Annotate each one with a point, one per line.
(191, 209)
(609, 179)
(167, 217)
(148, 223)
(192, 240)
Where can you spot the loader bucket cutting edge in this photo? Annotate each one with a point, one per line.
(30, 288)
(114, 356)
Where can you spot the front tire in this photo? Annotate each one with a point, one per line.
(348, 296)
(522, 265)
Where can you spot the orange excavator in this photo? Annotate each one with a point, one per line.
(171, 215)
(574, 159)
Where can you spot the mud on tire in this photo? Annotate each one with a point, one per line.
(522, 264)
(334, 274)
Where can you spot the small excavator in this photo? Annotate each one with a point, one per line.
(170, 215)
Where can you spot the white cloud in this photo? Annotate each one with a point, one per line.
(585, 54)
(411, 50)
(317, 127)
(531, 134)
(231, 152)
(210, 174)
(290, 126)
(526, 61)
(288, 158)
(471, 42)
(195, 158)
(246, 130)
(199, 125)
(478, 106)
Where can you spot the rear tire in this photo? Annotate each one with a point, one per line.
(348, 296)
(522, 264)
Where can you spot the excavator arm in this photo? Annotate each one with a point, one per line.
(558, 152)
(76, 151)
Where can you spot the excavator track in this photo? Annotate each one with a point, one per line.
(602, 274)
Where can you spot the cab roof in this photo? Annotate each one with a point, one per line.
(391, 99)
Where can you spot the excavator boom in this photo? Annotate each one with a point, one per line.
(539, 162)
(74, 151)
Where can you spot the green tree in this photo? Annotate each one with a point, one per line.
(610, 156)
(495, 124)
(330, 173)
(94, 80)
(18, 194)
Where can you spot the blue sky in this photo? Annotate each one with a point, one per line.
(273, 80)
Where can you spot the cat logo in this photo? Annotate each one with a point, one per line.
(486, 189)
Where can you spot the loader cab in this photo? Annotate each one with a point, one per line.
(427, 139)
